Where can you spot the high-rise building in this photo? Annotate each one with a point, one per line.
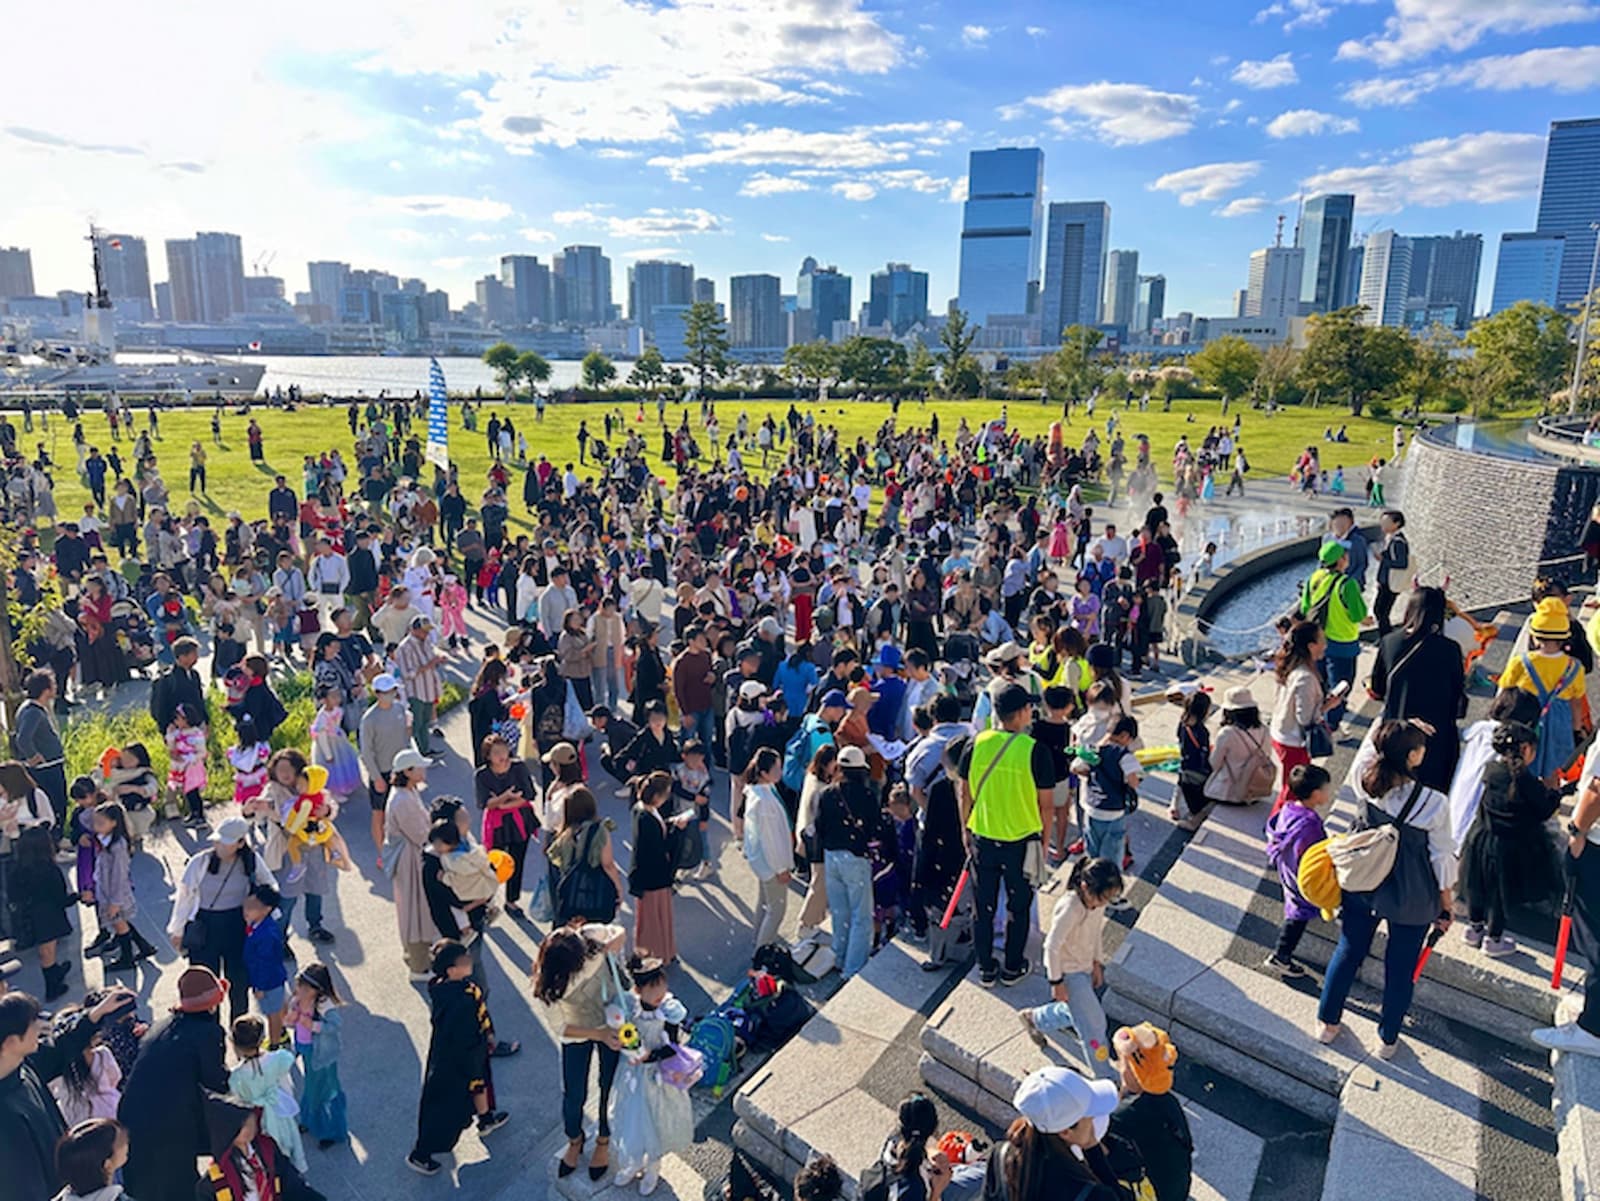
(1241, 301)
(1569, 201)
(1274, 290)
(1000, 232)
(755, 312)
(1354, 261)
(1074, 266)
(1528, 268)
(671, 323)
(1152, 303)
(1324, 231)
(219, 260)
(529, 281)
(16, 271)
(653, 283)
(163, 292)
(1386, 278)
(183, 277)
(1444, 273)
(1122, 288)
(328, 279)
(264, 294)
(705, 291)
(495, 301)
(124, 267)
(899, 298)
(580, 281)
(436, 307)
(824, 293)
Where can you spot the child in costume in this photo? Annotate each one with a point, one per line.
(245, 1162)
(650, 1118)
(186, 757)
(264, 1078)
(330, 745)
(309, 824)
(314, 1021)
(132, 783)
(84, 796)
(1150, 1116)
(248, 760)
(113, 890)
(452, 612)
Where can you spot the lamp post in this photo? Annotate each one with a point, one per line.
(1583, 328)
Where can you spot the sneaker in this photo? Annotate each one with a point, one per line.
(1120, 905)
(319, 934)
(1288, 969)
(705, 871)
(1386, 1051)
(987, 976)
(624, 793)
(423, 1165)
(295, 873)
(488, 1123)
(1324, 1033)
(1077, 848)
(1009, 977)
(1573, 1038)
(1499, 948)
(1034, 1033)
(1473, 936)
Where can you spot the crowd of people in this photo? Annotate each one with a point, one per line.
(912, 658)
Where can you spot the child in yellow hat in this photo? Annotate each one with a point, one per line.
(1551, 675)
(1151, 1117)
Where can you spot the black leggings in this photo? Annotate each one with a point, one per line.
(575, 1085)
(223, 953)
(1487, 912)
(519, 855)
(1289, 938)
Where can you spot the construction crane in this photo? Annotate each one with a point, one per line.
(264, 261)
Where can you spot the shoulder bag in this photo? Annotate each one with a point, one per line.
(585, 890)
(1364, 858)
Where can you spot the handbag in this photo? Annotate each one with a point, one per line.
(683, 1068)
(540, 906)
(1319, 740)
(1363, 859)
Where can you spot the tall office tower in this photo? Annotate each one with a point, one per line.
(1444, 273)
(824, 293)
(16, 271)
(755, 312)
(1151, 305)
(328, 279)
(1274, 289)
(1529, 268)
(580, 281)
(899, 298)
(529, 281)
(1386, 278)
(1074, 266)
(1122, 288)
(1000, 232)
(1241, 302)
(652, 283)
(412, 286)
(436, 307)
(163, 292)
(1569, 201)
(1324, 232)
(219, 260)
(1355, 260)
(495, 301)
(183, 277)
(705, 291)
(125, 267)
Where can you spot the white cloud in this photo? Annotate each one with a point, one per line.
(958, 191)
(1308, 122)
(1118, 113)
(460, 208)
(1304, 14)
(1421, 27)
(1276, 72)
(825, 88)
(1036, 31)
(536, 236)
(615, 152)
(1242, 206)
(652, 223)
(764, 184)
(581, 216)
(974, 35)
(1474, 168)
(854, 189)
(1560, 68)
(653, 252)
(857, 147)
(774, 237)
(1205, 183)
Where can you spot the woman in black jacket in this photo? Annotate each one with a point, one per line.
(653, 749)
(649, 671)
(487, 708)
(1419, 675)
(655, 863)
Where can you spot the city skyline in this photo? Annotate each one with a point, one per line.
(434, 143)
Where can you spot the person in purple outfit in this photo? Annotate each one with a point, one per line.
(1290, 831)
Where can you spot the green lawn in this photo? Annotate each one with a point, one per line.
(236, 484)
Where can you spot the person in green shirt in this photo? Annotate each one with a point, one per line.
(1007, 795)
(1333, 600)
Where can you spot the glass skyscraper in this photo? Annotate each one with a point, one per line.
(1324, 234)
(1074, 267)
(1529, 268)
(1569, 200)
(899, 298)
(1000, 230)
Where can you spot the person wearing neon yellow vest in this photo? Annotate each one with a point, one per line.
(1333, 600)
(1008, 782)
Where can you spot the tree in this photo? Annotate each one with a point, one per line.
(963, 378)
(1077, 371)
(920, 367)
(1430, 379)
(649, 372)
(598, 371)
(502, 360)
(705, 339)
(1279, 363)
(872, 362)
(1229, 364)
(1524, 351)
(532, 367)
(956, 338)
(811, 364)
(1345, 357)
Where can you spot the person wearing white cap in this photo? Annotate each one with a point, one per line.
(207, 922)
(1050, 1151)
(408, 822)
(385, 731)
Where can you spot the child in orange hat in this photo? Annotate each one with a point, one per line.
(1151, 1116)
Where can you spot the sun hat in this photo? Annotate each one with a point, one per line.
(562, 752)
(1551, 619)
(199, 990)
(1056, 1099)
(1005, 653)
(407, 758)
(852, 756)
(1149, 1055)
(1332, 552)
(385, 682)
(230, 829)
(421, 622)
(1238, 698)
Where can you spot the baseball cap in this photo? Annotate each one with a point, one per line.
(384, 682)
(562, 752)
(752, 690)
(421, 622)
(1055, 1099)
(834, 699)
(1012, 698)
(852, 756)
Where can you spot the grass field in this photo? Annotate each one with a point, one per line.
(235, 483)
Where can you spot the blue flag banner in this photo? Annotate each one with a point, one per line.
(438, 452)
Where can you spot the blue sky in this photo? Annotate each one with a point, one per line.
(741, 136)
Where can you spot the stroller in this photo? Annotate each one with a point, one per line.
(134, 633)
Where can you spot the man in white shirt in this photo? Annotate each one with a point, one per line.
(1114, 545)
(328, 579)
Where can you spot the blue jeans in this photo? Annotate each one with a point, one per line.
(1082, 1013)
(1340, 662)
(1104, 838)
(313, 911)
(850, 905)
(1357, 925)
(703, 726)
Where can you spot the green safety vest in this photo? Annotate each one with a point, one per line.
(1005, 807)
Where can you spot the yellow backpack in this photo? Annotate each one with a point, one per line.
(1318, 881)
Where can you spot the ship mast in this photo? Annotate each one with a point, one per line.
(98, 299)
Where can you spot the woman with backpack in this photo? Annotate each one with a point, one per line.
(1416, 892)
(584, 881)
(1050, 1153)
(655, 865)
(1242, 770)
(1419, 673)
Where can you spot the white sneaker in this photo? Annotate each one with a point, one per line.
(1573, 1038)
(1386, 1051)
(624, 793)
(648, 1182)
(705, 871)
(421, 977)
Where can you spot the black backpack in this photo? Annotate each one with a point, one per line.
(584, 890)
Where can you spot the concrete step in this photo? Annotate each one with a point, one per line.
(1577, 1114)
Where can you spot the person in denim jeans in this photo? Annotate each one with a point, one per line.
(847, 814)
(1109, 783)
(1072, 963)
